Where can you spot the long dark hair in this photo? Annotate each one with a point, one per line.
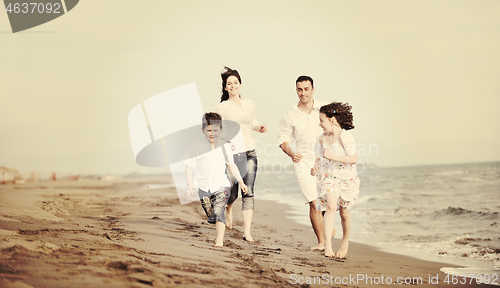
(341, 112)
(224, 75)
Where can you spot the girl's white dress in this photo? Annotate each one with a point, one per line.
(335, 177)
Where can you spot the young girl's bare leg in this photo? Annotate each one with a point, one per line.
(333, 233)
(328, 221)
(345, 217)
(220, 229)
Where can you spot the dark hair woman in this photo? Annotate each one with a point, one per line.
(242, 111)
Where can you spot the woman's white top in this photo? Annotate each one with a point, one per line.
(245, 116)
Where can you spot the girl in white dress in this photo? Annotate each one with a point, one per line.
(335, 169)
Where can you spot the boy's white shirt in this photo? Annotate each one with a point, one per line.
(209, 168)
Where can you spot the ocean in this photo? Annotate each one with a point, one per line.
(445, 213)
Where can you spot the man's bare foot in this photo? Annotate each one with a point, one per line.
(319, 247)
(229, 217)
(329, 251)
(343, 249)
(217, 246)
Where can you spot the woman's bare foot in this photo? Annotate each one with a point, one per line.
(319, 247)
(343, 249)
(229, 217)
(217, 246)
(248, 238)
(329, 251)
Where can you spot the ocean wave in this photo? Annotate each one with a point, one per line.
(401, 211)
(471, 247)
(456, 211)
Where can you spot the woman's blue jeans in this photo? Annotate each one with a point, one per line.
(247, 164)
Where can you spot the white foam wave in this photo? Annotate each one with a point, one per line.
(463, 247)
(407, 212)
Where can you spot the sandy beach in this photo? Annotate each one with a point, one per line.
(92, 233)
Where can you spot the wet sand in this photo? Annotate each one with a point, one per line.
(94, 233)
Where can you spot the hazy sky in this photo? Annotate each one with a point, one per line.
(423, 77)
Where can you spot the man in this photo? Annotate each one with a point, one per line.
(301, 124)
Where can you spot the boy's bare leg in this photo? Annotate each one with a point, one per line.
(247, 223)
(317, 225)
(329, 220)
(229, 216)
(345, 217)
(219, 228)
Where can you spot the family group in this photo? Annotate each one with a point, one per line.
(324, 161)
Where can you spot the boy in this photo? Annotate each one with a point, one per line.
(210, 179)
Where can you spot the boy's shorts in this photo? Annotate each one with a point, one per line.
(214, 204)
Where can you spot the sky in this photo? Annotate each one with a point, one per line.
(422, 76)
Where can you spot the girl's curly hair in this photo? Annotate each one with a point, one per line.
(341, 112)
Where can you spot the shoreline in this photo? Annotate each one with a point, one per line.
(388, 215)
(118, 234)
(299, 218)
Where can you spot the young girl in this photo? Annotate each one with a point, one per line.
(335, 169)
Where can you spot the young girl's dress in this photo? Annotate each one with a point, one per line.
(335, 177)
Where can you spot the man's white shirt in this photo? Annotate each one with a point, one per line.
(301, 127)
